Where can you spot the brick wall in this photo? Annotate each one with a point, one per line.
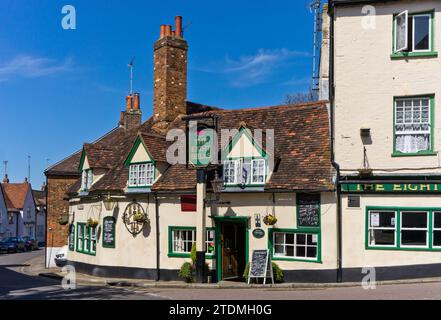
(56, 189)
(170, 79)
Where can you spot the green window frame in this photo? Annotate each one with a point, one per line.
(173, 254)
(86, 239)
(71, 239)
(418, 53)
(397, 122)
(312, 240)
(432, 228)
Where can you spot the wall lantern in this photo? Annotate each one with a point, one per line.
(109, 202)
(217, 184)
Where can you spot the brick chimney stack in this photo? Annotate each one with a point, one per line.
(132, 117)
(170, 75)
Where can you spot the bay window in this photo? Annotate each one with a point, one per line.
(141, 175)
(413, 125)
(245, 171)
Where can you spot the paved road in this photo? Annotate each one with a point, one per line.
(16, 285)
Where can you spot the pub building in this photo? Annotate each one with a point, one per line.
(132, 213)
(385, 130)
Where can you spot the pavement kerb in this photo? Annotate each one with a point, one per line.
(35, 269)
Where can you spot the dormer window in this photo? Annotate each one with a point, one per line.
(86, 180)
(245, 171)
(141, 174)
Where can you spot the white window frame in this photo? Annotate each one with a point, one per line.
(370, 228)
(86, 179)
(237, 167)
(406, 17)
(178, 245)
(414, 229)
(80, 236)
(430, 32)
(420, 132)
(435, 229)
(209, 241)
(295, 245)
(92, 239)
(256, 162)
(141, 174)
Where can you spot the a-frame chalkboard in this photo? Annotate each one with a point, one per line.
(261, 266)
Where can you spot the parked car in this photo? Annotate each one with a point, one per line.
(13, 244)
(61, 257)
(31, 243)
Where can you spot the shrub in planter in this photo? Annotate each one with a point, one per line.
(92, 222)
(140, 217)
(277, 272)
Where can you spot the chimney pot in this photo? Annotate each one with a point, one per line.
(168, 30)
(129, 102)
(136, 104)
(162, 31)
(178, 26)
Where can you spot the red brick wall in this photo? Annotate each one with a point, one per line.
(56, 189)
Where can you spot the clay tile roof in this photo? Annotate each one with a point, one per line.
(15, 194)
(99, 157)
(156, 145)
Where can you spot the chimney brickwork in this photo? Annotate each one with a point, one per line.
(132, 117)
(170, 75)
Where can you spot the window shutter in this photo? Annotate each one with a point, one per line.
(401, 31)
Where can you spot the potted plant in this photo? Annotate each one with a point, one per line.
(140, 217)
(270, 220)
(64, 219)
(92, 222)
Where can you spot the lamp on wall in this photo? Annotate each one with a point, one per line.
(217, 183)
(109, 202)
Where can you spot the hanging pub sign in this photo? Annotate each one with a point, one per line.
(308, 210)
(109, 232)
(261, 266)
(201, 144)
(72, 237)
(391, 187)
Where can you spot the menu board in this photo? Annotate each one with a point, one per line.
(71, 237)
(109, 232)
(259, 264)
(308, 210)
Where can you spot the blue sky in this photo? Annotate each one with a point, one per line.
(60, 88)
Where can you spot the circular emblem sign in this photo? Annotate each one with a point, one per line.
(134, 218)
(258, 233)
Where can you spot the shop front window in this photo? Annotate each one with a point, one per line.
(382, 228)
(295, 245)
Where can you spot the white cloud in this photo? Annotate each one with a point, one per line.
(26, 66)
(255, 69)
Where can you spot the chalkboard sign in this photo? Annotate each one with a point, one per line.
(260, 266)
(308, 210)
(71, 237)
(109, 232)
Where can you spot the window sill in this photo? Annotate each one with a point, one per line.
(187, 255)
(418, 154)
(88, 253)
(426, 249)
(405, 55)
(275, 258)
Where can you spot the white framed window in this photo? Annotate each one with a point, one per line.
(295, 245)
(413, 32)
(414, 228)
(86, 179)
(141, 174)
(245, 171)
(183, 240)
(210, 242)
(436, 231)
(92, 244)
(80, 237)
(412, 125)
(382, 228)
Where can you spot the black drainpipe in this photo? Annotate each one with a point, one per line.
(334, 163)
(158, 247)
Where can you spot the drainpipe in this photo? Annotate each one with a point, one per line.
(158, 247)
(334, 163)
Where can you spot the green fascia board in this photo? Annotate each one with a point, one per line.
(82, 159)
(244, 130)
(135, 146)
